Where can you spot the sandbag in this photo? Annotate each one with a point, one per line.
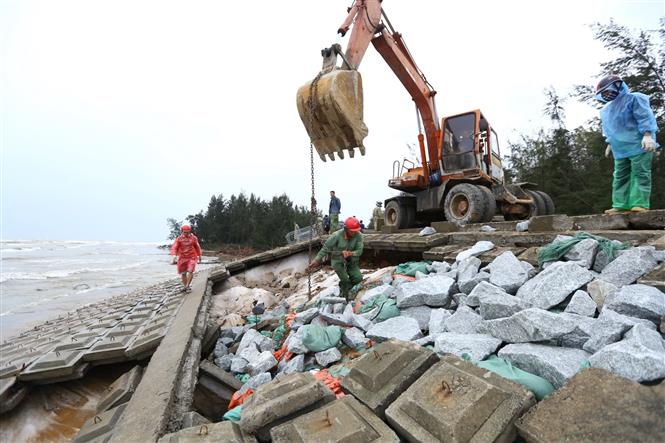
(387, 308)
(234, 414)
(318, 338)
(410, 268)
(538, 385)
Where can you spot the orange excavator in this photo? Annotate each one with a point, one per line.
(461, 178)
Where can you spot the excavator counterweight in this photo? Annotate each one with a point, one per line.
(331, 108)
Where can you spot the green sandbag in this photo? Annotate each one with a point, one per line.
(233, 414)
(538, 385)
(410, 268)
(387, 308)
(318, 338)
(555, 250)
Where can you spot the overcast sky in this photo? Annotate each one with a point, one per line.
(118, 114)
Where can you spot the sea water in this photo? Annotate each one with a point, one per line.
(40, 280)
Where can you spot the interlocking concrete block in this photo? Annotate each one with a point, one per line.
(145, 343)
(380, 376)
(110, 347)
(458, 402)
(226, 431)
(53, 365)
(99, 427)
(344, 420)
(121, 390)
(11, 393)
(282, 400)
(214, 390)
(597, 406)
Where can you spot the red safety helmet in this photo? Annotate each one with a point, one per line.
(352, 224)
(186, 228)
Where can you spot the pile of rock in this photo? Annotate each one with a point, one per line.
(582, 310)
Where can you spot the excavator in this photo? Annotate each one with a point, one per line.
(460, 177)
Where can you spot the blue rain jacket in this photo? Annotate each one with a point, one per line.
(625, 120)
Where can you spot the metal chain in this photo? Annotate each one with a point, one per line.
(311, 102)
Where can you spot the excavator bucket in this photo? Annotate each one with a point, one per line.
(331, 108)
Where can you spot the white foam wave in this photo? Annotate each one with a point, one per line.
(6, 276)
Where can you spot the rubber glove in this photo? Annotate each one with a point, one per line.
(608, 151)
(648, 143)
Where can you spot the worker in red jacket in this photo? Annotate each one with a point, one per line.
(186, 253)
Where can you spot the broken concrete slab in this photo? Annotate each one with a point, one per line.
(401, 328)
(432, 291)
(262, 363)
(226, 431)
(495, 302)
(548, 223)
(344, 420)
(476, 346)
(282, 400)
(421, 314)
(355, 338)
(11, 393)
(121, 390)
(640, 356)
(530, 325)
(437, 319)
(100, 425)
(507, 272)
(640, 301)
(597, 406)
(581, 304)
(599, 290)
(554, 284)
(555, 364)
(380, 376)
(584, 252)
(630, 265)
(457, 401)
(463, 321)
(328, 357)
(192, 419)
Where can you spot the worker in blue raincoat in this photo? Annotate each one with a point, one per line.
(629, 126)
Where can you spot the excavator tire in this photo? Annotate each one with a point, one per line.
(549, 203)
(539, 207)
(490, 201)
(465, 203)
(396, 215)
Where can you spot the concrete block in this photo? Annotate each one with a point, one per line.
(100, 426)
(121, 390)
(547, 223)
(597, 406)
(458, 402)
(380, 376)
(192, 418)
(145, 343)
(110, 347)
(214, 390)
(52, 365)
(282, 400)
(226, 431)
(344, 420)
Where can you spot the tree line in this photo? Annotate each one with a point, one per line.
(569, 163)
(248, 221)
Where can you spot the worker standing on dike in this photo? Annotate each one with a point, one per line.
(333, 209)
(629, 126)
(345, 248)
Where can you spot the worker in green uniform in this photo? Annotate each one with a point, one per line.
(345, 248)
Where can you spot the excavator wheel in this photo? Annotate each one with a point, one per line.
(539, 207)
(549, 203)
(465, 203)
(396, 215)
(490, 202)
